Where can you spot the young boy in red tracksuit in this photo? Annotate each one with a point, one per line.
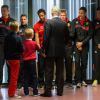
(29, 62)
(13, 50)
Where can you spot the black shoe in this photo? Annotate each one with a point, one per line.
(73, 82)
(59, 94)
(40, 86)
(26, 92)
(46, 95)
(65, 82)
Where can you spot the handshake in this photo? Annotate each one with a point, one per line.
(79, 45)
(42, 53)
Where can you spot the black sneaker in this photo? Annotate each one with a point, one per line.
(46, 95)
(59, 94)
(41, 86)
(36, 94)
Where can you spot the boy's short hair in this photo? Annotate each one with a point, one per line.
(84, 9)
(23, 15)
(14, 25)
(29, 33)
(41, 10)
(5, 6)
(63, 11)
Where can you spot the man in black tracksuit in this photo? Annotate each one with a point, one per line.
(68, 49)
(96, 23)
(4, 30)
(22, 27)
(81, 32)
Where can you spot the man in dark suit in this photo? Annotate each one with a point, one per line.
(55, 37)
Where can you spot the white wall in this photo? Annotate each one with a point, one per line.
(1, 3)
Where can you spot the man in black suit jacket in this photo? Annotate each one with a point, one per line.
(55, 37)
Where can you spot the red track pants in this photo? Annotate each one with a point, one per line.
(14, 71)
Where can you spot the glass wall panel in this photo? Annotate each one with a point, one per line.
(1, 3)
(17, 7)
(45, 4)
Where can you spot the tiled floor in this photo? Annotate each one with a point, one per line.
(84, 93)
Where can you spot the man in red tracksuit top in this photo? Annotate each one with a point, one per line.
(39, 31)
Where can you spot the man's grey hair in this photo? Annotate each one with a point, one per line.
(55, 10)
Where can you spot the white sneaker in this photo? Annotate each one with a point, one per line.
(84, 84)
(30, 93)
(35, 95)
(19, 92)
(78, 85)
(16, 97)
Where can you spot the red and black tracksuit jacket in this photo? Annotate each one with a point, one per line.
(4, 27)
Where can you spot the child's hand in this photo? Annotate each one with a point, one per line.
(43, 54)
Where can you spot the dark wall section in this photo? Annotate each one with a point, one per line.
(98, 3)
(30, 18)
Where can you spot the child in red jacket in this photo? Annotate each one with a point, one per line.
(29, 62)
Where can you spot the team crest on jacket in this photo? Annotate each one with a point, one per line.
(68, 24)
(86, 24)
(98, 23)
(76, 22)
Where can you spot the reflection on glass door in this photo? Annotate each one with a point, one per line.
(17, 7)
